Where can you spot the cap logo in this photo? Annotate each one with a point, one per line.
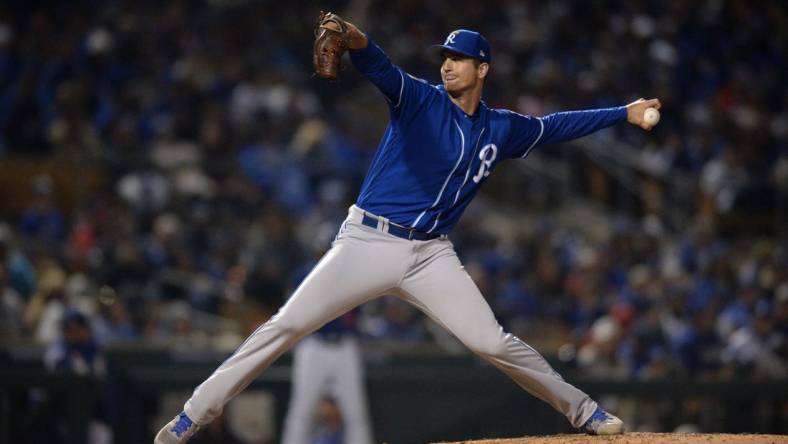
(481, 53)
(450, 38)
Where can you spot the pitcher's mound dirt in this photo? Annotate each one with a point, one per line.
(641, 438)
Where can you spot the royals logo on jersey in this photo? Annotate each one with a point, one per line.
(487, 156)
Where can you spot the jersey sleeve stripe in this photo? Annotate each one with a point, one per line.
(541, 131)
(401, 88)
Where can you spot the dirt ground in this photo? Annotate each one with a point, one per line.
(640, 438)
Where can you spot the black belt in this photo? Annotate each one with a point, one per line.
(404, 233)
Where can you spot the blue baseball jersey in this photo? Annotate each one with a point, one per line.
(433, 157)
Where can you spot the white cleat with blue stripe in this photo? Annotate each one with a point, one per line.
(177, 431)
(603, 423)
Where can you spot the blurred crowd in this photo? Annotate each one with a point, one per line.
(228, 169)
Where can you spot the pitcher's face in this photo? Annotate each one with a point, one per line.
(460, 73)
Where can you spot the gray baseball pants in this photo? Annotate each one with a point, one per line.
(362, 264)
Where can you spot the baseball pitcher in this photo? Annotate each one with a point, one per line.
(441, 145)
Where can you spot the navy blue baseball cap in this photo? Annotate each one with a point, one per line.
(467, 43)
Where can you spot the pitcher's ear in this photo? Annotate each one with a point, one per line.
(484, 68)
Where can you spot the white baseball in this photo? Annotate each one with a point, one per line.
(651, 116)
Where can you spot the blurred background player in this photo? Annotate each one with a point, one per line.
(328, 399)
(77, 352)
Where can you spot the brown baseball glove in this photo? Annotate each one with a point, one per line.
(331, 41)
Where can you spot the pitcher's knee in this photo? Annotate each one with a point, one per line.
(288, 326)
(488, 347)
